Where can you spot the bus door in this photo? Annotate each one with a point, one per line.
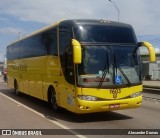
(67, 85)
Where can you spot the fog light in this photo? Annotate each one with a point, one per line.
(81, 107)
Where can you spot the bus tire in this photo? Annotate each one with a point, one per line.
(52, 100)
(16, 92)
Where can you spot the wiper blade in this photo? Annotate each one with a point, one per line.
(105, 71)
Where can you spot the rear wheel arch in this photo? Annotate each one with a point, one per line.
(16, 91)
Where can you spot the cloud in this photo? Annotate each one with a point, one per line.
(143, 15)
(9, 30)
(139, 13)
(49, 10)
(2, 19)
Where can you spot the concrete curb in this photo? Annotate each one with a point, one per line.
(150, 86)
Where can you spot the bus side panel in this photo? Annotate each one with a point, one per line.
(66, 93)
(11, 73)
(41, 73)
(39, 86)
(48, 80)
(51, 76)
(10, 81)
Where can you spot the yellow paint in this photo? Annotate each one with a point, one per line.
(35, 75)
(151, 51)
(77, 52)
(123, 98)
(42, 72)
(101, 106)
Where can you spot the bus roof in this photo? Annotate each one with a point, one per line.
(93, 22)
(37, 32)
(74, 22)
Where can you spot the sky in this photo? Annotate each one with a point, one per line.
(19, 18)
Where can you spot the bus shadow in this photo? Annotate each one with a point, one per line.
(43, 108)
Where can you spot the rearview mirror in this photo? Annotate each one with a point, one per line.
(150, 49)
(77, 52)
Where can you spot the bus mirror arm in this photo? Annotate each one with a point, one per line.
(150, 49)
(77, 52)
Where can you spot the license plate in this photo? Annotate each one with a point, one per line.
(114, 106)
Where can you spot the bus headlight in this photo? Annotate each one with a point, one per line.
(136, 94)
(87, 97)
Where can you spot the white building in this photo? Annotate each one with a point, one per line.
(150, 71)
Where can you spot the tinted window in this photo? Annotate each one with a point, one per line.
(13, 52)
(10, 52)
(37, 45)
(65, 38)
(109, 34)
(32, 47)
(53, 50)
(66, 55)
(50, 42)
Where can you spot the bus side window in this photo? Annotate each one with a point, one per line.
(10, 52)
(69, 66)
(53, 50)
(65, 38)
(66, 54)
(32, 47)
(49, 40)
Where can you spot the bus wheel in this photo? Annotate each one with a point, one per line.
(16, 88)
(52, 100)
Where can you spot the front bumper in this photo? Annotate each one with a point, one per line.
(101, 106)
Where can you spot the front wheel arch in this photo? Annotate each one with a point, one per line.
(52, 99)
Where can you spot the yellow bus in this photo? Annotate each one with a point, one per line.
(84, 66)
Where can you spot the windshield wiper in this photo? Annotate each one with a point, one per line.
(105, 71)
(115, 66)
(120, 69)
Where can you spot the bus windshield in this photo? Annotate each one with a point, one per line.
(107, 34)
(118, 62)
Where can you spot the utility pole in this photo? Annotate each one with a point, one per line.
(118, 11)
(19, 36)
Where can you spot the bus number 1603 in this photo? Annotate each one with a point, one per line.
(115, 92)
